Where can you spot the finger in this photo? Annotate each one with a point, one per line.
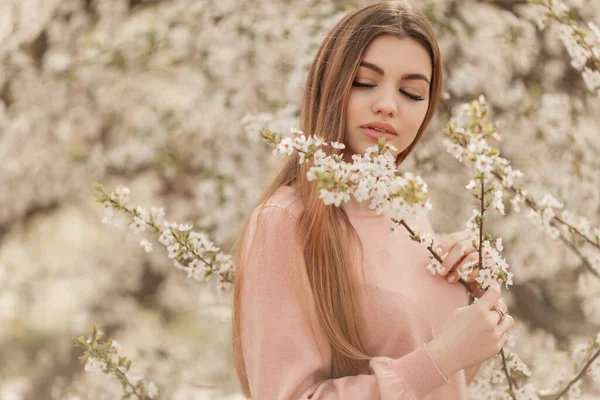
(457, 253)
(507, 324)
(468, 264)
(498, 314)
(490, 297)
(502, 306)
(452, 277)
(471, 258)
(455, 236)
(449, 240)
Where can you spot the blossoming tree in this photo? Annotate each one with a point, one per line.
(167, 98)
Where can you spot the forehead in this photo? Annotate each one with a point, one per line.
(398, 56)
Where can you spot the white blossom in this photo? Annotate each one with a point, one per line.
(146, 245)
(94, 365)
(151, 390)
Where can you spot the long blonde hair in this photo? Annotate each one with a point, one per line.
(324, 230)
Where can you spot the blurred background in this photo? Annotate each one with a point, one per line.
(166, 97)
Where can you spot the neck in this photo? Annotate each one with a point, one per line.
(355, 205)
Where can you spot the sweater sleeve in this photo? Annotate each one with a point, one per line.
(285, 349)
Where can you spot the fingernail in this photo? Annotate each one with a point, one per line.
(452, 279)
(438, 250)
(443, 270)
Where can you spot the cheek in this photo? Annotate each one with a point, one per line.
(352, 108)
(417, 117)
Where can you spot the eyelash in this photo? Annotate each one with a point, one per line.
(365, 85)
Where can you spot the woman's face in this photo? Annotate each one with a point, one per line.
(389, 95)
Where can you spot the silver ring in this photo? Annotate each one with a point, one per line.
(499, 311)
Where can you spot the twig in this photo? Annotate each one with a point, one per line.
(482, 211)
(579, 375)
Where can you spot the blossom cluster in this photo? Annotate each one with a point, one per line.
(370, 176)
(468, 133)
(581, 45)
(105, 356)
(551, 217)
(192, 252)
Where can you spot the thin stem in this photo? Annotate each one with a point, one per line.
(583, 258)
(556, 220)
(533, 205)
(572, 228)
(122, 374)
(579, 375)
(227, 279)
(506, 373)
(482, 212)
(433, 253)
(99, 356)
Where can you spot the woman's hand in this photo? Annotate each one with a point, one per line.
(472, 334)
(457, 253)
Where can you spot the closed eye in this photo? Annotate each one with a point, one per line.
(362, 84)
(367, 85)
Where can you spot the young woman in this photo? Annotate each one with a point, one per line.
(326, 304)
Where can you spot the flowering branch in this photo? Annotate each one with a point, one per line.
(416, 236)
(591, 365)
(490, 266)
(566, 219)
(371, 176)
(482, 179)
(580, 375)
(507, 374)
(580, 45)
(555, 222)
(467, 133)
(467, 137)
(99, 356)
(190, 251)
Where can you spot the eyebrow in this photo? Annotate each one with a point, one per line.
(379, 70)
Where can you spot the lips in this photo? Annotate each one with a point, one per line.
(377, 129)
(380, 126)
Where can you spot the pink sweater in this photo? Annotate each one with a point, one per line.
(285, 349)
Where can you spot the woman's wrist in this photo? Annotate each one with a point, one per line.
(444, 361)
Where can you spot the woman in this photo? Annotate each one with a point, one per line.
(326, 304)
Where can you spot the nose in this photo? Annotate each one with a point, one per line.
(386, 104)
